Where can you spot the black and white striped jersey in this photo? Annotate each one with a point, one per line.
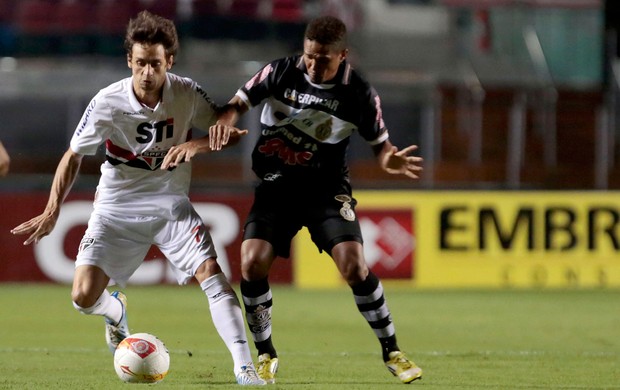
(306, 127)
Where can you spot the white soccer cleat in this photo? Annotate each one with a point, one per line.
(247, 376)
(115, 333)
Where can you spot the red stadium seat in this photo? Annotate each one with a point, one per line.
(111, 18)
(243, 21)
(205, 7)
(7, 10)
(7, 31)
(164, 8)
(206, 20)
(73, 23)
(288, 22)
(71, 16)
(34, 17)
(244, 9)
(287, 10)
(34, 27)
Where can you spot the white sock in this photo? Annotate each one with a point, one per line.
(228, 318)
(106, 306)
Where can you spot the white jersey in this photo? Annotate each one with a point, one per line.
(137, 138)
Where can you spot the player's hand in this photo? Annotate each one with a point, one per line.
(399, 162)
(179, 154)
(38, 227)
(220, 135)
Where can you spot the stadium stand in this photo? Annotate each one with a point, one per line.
(74, 27)
(417, 74)
(7, 31)
(111, 17)
(288, 21)
(34, 27)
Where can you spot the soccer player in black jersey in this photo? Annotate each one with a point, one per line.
(314, 103)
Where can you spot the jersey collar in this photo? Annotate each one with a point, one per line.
(135, 103)
(342, 77)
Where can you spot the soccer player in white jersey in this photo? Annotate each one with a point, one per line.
(313, 103)
(140, 119)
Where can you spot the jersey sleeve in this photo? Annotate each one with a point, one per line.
(372, 127)
(94, 128)
(205, 113)
(258, 88)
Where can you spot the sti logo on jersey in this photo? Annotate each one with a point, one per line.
(160, 130)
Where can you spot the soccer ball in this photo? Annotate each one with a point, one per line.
(141, 358)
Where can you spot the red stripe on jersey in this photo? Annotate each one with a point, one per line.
(119, 152)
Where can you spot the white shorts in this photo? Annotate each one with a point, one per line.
(118, 244)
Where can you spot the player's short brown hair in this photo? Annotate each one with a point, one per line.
(152, 29)
(327, 30)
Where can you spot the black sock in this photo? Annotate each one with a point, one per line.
(258, 303)
(371, 303)
(388, 344)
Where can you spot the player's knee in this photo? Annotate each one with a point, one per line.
(255, 260)
(354, 272)
(254, 269)
(349, 258)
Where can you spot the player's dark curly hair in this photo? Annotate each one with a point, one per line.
(327, 30)
(152, 29)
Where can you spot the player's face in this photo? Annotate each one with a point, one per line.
(322, 61)
(149, 65)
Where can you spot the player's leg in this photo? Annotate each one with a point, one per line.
(368, 292)
(269, 228)
(228, 319)
(370, 300)
(111, 249)
(90, 296)
(186, 244)
(257, 256)
(337, 231)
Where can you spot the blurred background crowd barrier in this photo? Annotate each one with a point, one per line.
(498, 94)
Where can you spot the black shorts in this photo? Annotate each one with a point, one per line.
(276, 216)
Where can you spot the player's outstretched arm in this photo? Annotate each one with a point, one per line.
(179, 154)
(222, 134)
(43, 224)
(398, 162)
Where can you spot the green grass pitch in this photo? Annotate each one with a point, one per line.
(462, 339)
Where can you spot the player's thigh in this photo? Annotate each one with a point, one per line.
(186, 243)
(333, 229)
(117, 245)
(276, 227)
